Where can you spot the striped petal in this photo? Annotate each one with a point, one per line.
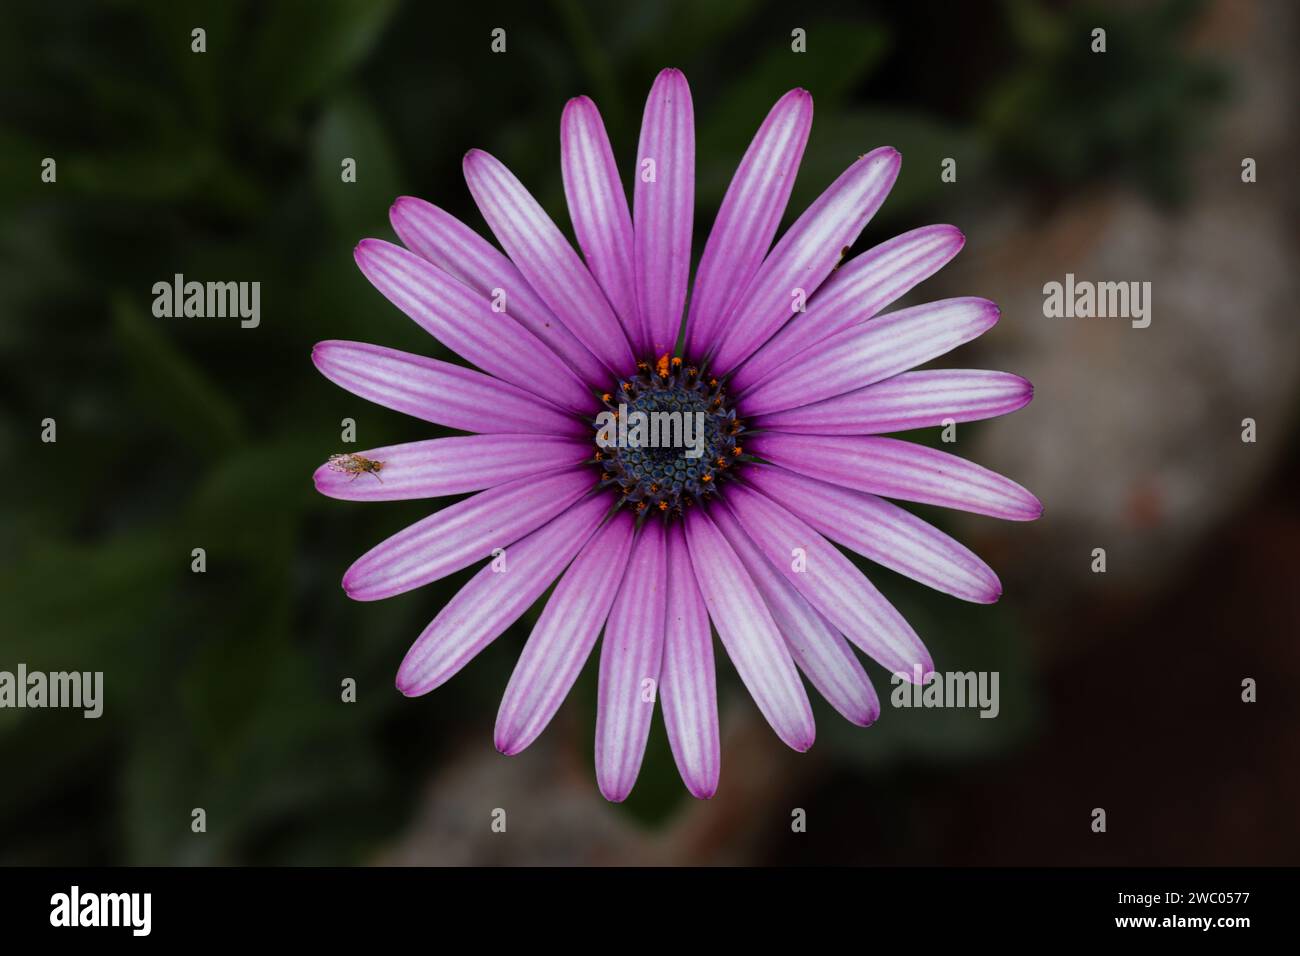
(854, 293)
(461, 534)
(687, 683)
(464, 322)
(748, 218)
(882, 531)
(830, 583)
(438, 392)
(805, 255)
(899, 469)
(494, 599)
(820, 651)
(630, 657)
(536, 245)
(748, 632)
(563, 637)
(871, 352)
(598, 205)
(450, 466)
(461, 252)
(663, 210)
(925, 399)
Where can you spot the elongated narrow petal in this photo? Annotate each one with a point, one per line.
(748, 632)
(882, 531)
(536, 245)
(687, 685)
(899, 469)
(453, 314)
(663, 210)
(805, 256)
(460, 251)
(598, 205)
(854, 293)
(494, 598)
(871, 352)
(449, 466)
(830, 583)
(630, 658)
(438, 392)
(564, 636)
(461, 534)
(924, 399)
(819, 650)
(748, 218)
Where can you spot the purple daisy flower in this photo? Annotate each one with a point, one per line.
(784, 364)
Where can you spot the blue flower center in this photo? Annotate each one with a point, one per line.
(668, 437)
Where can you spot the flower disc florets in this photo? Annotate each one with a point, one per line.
(668, 438)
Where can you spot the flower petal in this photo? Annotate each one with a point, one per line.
(830, 583)
(871, 352)
(630, 656)
(748, 632)
(438, 392)
(598, 205)
(805, 255)
(461, 534)
(493, 599)
(687, 683)
(818, 649)
(563, 637)
(925, 399)
(464, 322)
(882, 531)
(536, 245)
(899, 469)
(748, 218)
(663, 210)
(460, 251)
(451, 466)
(854, 293)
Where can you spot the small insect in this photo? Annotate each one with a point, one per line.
(356, 466)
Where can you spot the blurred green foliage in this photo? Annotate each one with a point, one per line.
(1135, 111)
(223, 688)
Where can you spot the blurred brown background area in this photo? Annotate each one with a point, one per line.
(1119, 690)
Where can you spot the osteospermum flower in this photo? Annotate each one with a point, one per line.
(646, 544)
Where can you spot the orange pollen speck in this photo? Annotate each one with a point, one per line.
(736, 450)
(708, 476)
(662, 365)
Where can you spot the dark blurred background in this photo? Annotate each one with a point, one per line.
(1119, 690)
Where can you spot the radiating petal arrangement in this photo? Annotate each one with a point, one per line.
(800, 386)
